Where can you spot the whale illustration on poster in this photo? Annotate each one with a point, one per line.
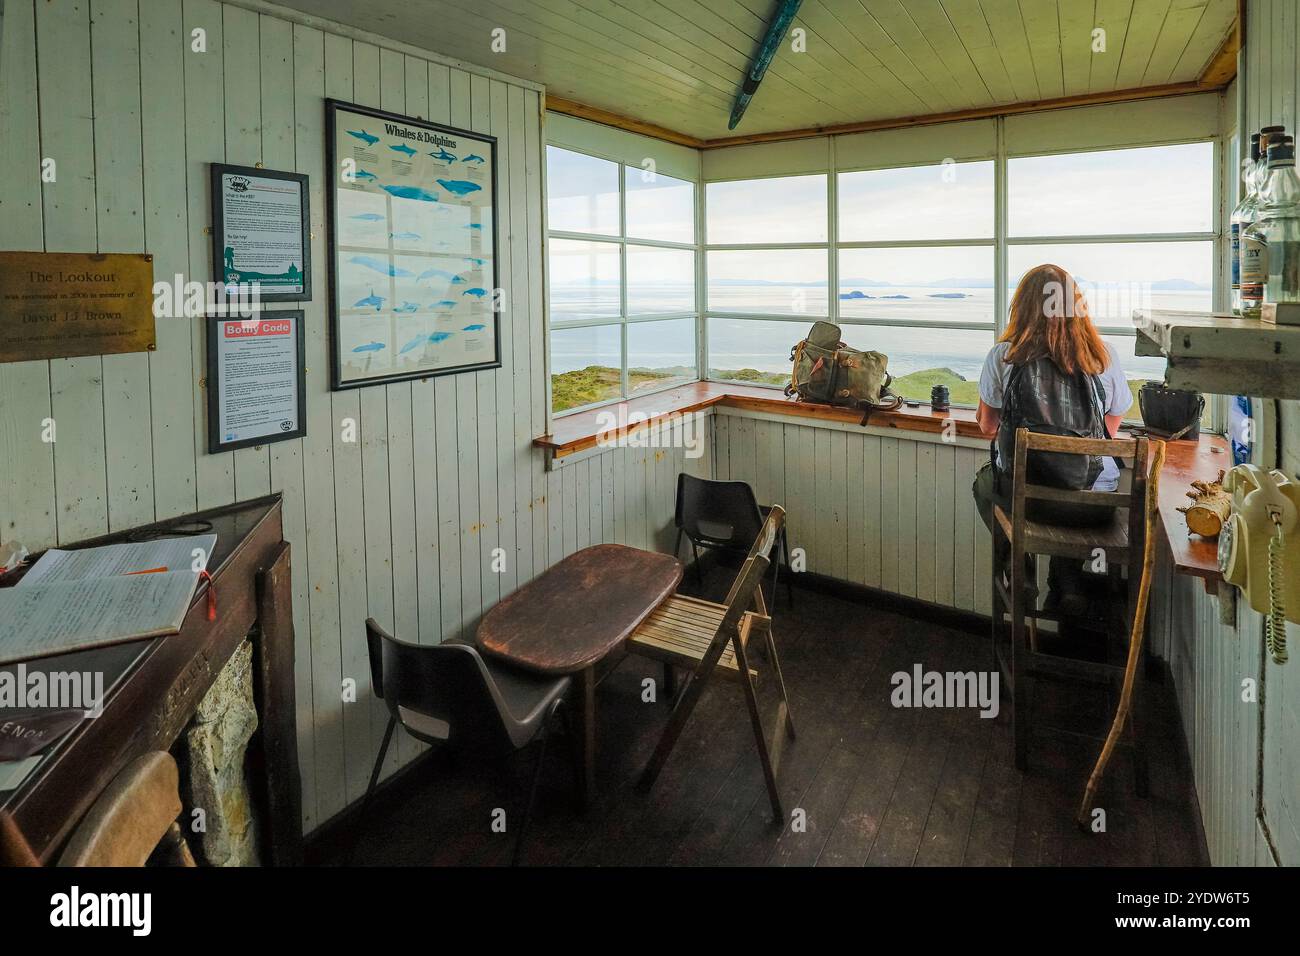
(414, 248)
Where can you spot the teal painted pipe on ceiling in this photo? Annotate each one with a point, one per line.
(776, 30)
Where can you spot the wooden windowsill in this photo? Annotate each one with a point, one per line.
(583, 430)
(1185, 462)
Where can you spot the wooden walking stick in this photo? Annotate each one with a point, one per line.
(1135, 637)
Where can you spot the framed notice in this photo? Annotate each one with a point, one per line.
(261, 233)
(413, 248)
(257, 389)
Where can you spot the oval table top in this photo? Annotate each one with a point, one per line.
(577, 611)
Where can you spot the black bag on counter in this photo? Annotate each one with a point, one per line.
(1171, 412)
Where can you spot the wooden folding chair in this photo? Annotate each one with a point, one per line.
(713, 638)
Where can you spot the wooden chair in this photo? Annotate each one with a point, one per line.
(1121, 541)
(714, 638)
(134, 816)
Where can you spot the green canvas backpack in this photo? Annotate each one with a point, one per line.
(828, 372)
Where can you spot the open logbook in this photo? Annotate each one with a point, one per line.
(74, 600)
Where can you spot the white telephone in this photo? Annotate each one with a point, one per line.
(1258, 548)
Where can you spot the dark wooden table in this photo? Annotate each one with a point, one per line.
(571, 616)
(153, 686)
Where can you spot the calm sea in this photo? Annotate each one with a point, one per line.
(765, 344)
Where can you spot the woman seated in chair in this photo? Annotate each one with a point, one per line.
(1050, 367)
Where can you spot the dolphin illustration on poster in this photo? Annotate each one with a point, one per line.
(402, 148)
(410, 192)
(460, 187)
(378, 265)
(376, 300)
(363, 136)
(370, 347)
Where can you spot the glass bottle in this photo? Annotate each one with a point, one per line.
(1280, 224)
(1243, 215)
(1254, 246)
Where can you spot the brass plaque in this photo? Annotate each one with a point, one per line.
(61, 304)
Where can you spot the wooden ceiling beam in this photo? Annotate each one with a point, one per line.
(984, 112)
(619, 121)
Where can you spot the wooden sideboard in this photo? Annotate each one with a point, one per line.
(152, 687)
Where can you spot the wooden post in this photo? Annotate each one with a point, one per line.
(277, 711)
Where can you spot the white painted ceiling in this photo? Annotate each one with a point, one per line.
(678, 63)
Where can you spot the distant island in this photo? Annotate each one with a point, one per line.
(858, 294)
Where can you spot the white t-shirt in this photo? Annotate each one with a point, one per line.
(996, 372)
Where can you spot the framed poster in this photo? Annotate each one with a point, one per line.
(261, 233)
(257, 386)
(413, 248)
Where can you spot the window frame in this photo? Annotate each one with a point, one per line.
(1001, 241)
(623, 319)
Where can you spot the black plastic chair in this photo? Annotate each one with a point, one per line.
(726, 516)
(449, 695)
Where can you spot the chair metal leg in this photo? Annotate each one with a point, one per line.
(699, 572)
(537, 776)
(370, 789)
(677, 548)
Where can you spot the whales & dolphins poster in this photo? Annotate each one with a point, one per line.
(412, 246)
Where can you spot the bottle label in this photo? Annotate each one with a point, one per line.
(1236, 256)
(1254, 266)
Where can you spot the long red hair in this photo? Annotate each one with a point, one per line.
(1049, 318)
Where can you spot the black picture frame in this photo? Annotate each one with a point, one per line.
(216, 172)
(332, 109)
(213, 386)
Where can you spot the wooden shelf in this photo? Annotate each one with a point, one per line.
(1222, 353)
(577, 432)
(1185, 462)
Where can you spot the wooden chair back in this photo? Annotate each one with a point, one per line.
(134, 814)
(1134, 451)
(746, 591)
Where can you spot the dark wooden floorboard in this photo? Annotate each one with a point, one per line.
(876, 784)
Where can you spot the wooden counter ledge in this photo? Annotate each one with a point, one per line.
(1184, 460)
(583, 430)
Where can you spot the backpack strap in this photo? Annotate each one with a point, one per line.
(894, 402)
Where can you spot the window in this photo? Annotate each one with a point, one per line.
(1135, 227)
(911, 268)
(913, 255)
(622, 279)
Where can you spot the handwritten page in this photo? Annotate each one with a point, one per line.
(75, 615)
(110, 560)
